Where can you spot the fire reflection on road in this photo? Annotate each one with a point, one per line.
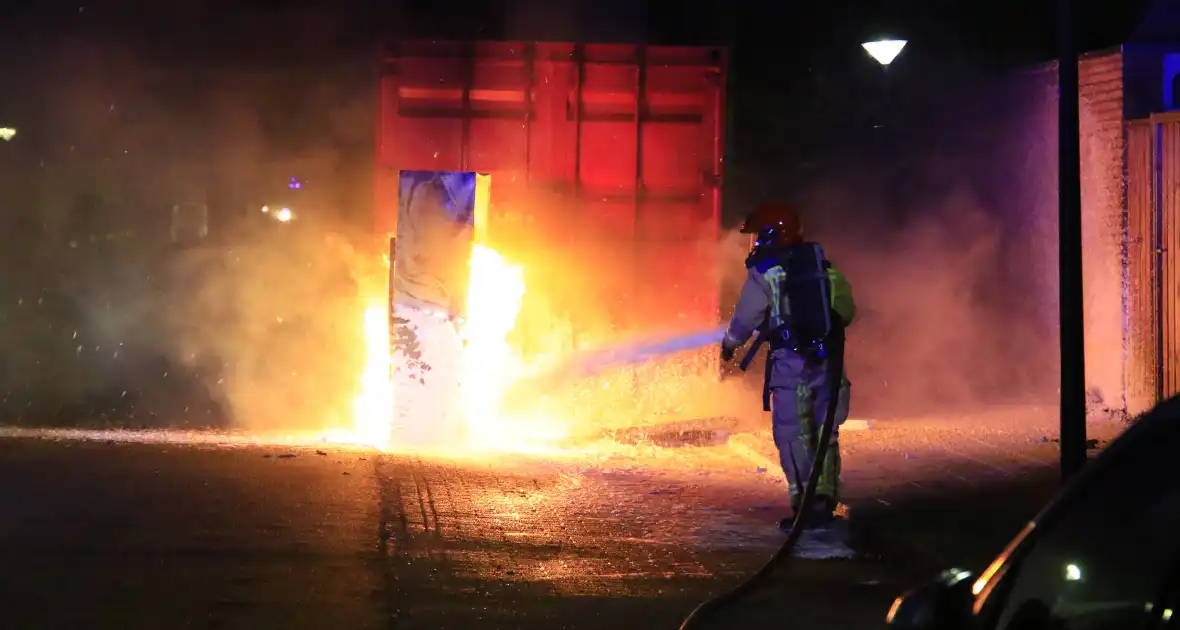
(583, 530)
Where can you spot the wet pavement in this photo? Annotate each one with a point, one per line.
(97, 535)
(121, 535)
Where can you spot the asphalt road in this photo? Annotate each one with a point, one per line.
(109, 534)
(118, 535)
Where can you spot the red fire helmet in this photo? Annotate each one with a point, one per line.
(780, 218)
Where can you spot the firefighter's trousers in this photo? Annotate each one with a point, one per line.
(799, 393)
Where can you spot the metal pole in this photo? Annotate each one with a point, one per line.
(1073, 357)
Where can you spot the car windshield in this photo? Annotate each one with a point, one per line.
(1102, 565)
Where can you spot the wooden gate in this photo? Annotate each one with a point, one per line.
(1153, 237)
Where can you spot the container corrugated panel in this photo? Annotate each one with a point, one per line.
(1140, 370)
(624, 141)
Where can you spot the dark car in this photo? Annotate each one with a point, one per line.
(1104, 555)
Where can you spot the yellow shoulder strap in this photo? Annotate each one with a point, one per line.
(842, 301)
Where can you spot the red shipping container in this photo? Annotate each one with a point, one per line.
(622, 142)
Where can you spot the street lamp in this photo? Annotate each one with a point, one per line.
(884, 50)
(7, 133)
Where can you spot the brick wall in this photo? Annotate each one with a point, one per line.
(1102, 151)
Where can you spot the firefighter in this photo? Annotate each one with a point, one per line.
(797, 386)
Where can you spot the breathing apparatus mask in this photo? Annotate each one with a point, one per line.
(768, 240)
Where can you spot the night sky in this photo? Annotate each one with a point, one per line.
(774, 43)
(800, 86)
(1003, 30)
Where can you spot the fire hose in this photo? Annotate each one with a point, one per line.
(835, 371)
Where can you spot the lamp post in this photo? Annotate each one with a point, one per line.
(1069, 225)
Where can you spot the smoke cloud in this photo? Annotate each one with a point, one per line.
(948, 238)
(945, 318)
(117, 318)
(949, 248)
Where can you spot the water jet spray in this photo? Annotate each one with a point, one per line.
(588, 363)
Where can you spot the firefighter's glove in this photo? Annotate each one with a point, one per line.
(727, 352)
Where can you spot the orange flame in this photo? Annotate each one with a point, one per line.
(489, 365)
(373, 405)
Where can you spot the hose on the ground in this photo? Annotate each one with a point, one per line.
(835, 370)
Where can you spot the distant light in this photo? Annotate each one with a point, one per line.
(884, 51)
(1073, 573)
(266, 208)
(284, 215)
(294, 184)
(7, 133)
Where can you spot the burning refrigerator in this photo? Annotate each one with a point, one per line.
(430, 259)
